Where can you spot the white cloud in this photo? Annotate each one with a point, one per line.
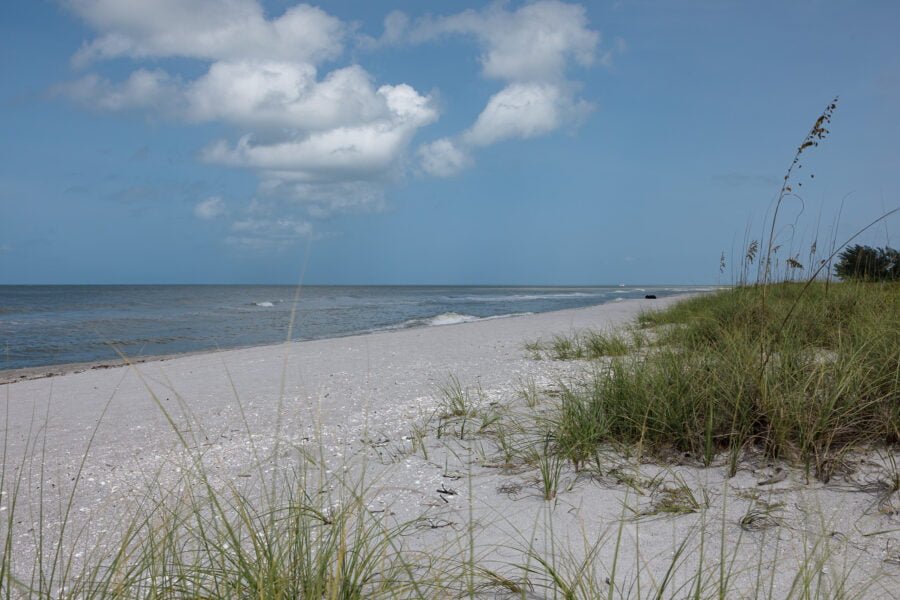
(253, 94)
(526, 110)
(443, 158)
(282, 94)
(531, 49)
(347, 153)
(519, 110)
(396, 28)
(154, 89)
(326, 139)
(532, 43)
(328, 142)
(210, 208)
(207, 29)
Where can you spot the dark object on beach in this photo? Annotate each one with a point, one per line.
(446, 491)
(650, 297)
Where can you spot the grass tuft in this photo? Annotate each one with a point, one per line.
(806, 376)
(586, 345)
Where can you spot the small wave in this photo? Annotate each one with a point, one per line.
(264, 304)
(450, 318)
(526, 297)
(447, 318)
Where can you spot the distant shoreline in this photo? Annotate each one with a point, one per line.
(64, 368)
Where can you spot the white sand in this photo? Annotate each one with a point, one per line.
(362, 396)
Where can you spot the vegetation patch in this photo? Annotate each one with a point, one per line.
(587, 345)
(803, 372)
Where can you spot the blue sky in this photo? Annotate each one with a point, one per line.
(182, 141)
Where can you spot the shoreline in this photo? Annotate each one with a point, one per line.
(8, 376)
(336, 391)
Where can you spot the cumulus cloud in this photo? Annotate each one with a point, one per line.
(283, 94)
(532, 43)
(530, 49)
(297, 125)
(443, 158)
(266, 95)
(207, 29)
(396, 27)
(154, 89)
(325, 139)
(519, 110)
(210, 208)
(347, 153)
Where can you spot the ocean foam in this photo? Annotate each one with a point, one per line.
(527, 297)
(450, 318)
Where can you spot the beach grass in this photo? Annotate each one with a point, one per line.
(801, 373)
(589, 344)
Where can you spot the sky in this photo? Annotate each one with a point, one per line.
(409, 142)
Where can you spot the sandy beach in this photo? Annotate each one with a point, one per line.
(367, 406)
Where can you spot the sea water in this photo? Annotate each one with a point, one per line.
(50, 325)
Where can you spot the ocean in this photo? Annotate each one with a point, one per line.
(54, 325)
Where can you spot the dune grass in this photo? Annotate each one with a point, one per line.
(587, 345)
(802, 374)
